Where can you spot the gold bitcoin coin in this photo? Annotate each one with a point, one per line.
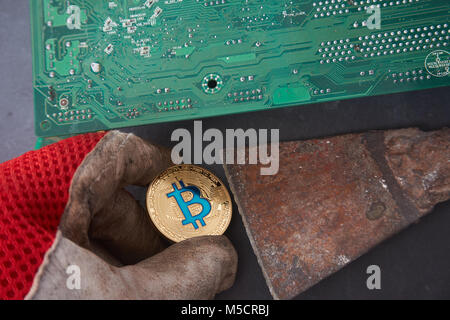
(187, 201)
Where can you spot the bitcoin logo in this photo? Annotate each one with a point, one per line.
(184, 206)
(188, 201)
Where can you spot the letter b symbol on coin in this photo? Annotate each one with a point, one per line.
(184, 205)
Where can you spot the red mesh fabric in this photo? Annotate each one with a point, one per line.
(33, 193)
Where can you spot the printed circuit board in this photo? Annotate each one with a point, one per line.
(109, 64)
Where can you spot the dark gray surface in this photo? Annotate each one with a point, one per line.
(415, 264)
(16, 117)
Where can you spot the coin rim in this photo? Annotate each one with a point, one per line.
(183, 167)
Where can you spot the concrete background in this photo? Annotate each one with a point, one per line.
(415, 264)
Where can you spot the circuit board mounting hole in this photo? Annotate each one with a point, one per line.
(212, 83)
(45, 125)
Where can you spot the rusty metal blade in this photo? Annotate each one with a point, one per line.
(334, 199)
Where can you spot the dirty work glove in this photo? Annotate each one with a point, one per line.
(106, 246)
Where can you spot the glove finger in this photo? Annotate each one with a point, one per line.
(124, 229)
(119, 159)
(197, 268)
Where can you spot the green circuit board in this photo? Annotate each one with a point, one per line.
(109, 64)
